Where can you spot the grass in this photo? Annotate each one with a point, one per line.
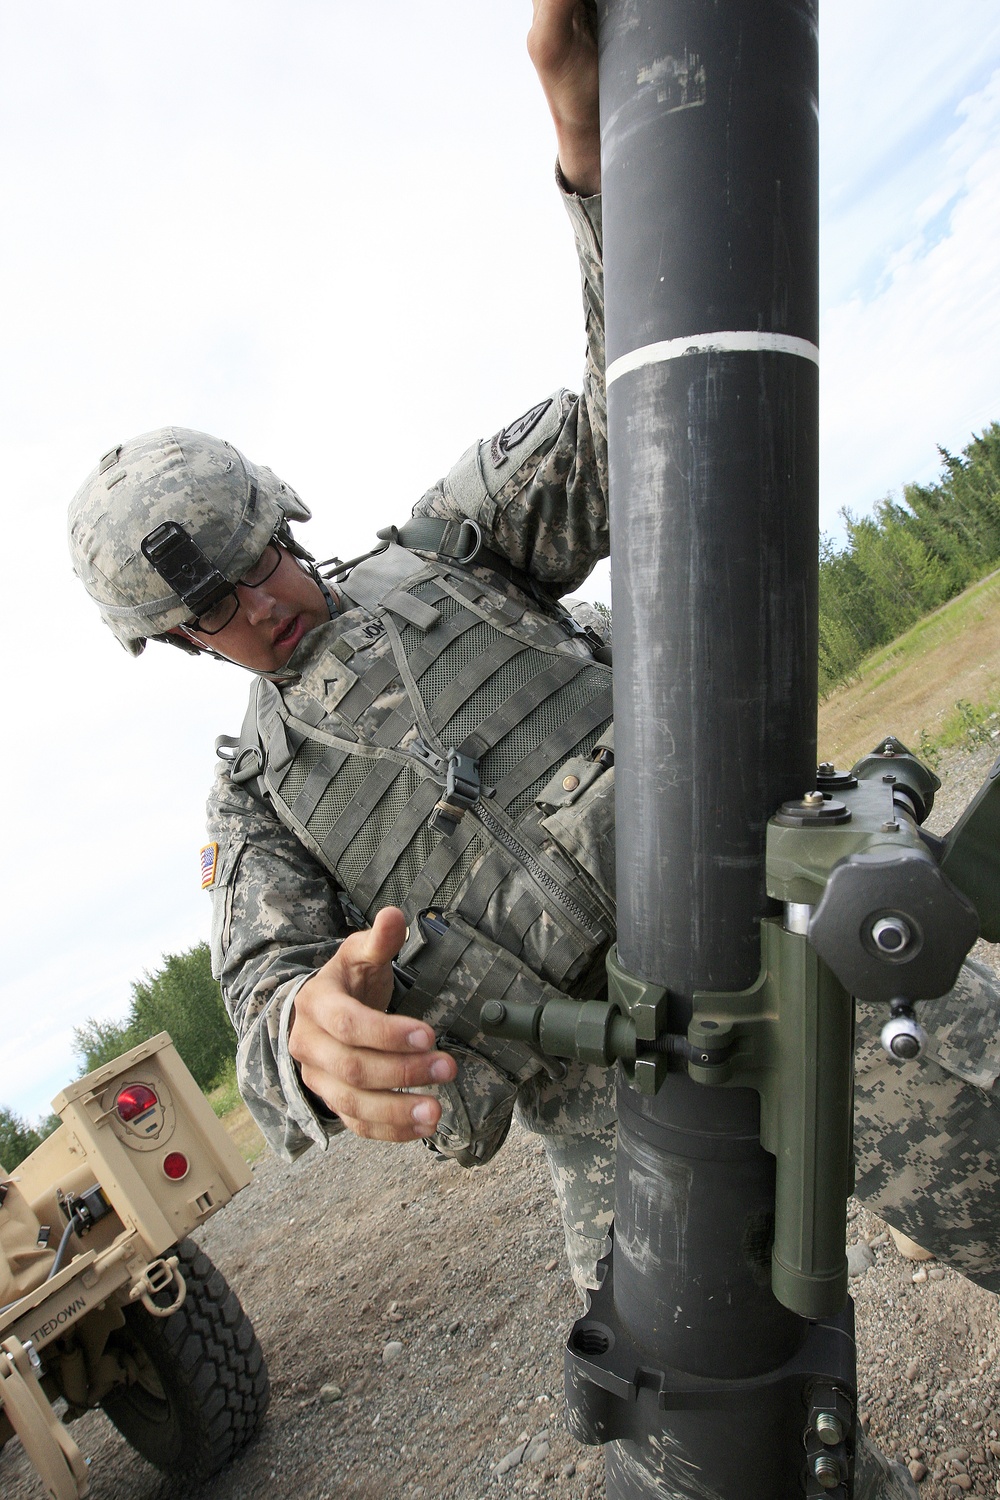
(224, 1097)
(934, 688)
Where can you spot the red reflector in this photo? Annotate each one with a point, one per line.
(175, 1165)
(134, 1100)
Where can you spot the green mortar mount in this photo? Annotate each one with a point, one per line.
(873, 908)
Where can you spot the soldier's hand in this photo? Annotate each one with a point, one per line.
(562, 44)
(353, 1055)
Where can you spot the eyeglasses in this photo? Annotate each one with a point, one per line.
(223, 613)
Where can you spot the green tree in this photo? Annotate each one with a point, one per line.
(98, 1042)
(905, 559)
(183, 998)
(17, 1139)
(180, 997)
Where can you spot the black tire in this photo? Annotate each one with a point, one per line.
(199, 1386)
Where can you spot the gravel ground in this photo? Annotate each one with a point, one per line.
(413, 1316)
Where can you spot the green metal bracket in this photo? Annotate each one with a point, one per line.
(972, 855)
(790, 1037)
(645, 1005)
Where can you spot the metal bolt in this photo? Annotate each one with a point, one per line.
(829, 1428)
(891, 826)
(826, 768)
(889, 777)
(493, 1013)
(813, 799)
(891, 935)
(827, 1471)
(570, 783)
(888, 751)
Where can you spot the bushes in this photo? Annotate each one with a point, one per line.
(180, 997)
(17, 1139)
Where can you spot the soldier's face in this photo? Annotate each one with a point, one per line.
(271, 620)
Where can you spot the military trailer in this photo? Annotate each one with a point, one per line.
(104, 1300)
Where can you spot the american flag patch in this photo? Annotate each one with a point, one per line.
(209, 860)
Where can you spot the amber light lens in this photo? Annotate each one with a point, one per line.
(134, 1100)
(175, 1165)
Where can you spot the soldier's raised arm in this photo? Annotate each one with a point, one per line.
(537, 489)
(562, 44)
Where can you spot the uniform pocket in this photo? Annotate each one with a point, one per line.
(583, 822)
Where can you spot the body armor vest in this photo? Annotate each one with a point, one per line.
(436, 752)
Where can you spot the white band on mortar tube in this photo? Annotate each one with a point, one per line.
(704, 343)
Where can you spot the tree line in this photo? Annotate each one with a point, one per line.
(180, 997)
(908, 557)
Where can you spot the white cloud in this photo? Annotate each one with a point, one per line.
(915, 360)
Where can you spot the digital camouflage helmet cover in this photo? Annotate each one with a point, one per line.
(228, 508)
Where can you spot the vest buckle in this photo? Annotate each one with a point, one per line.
(461, 792)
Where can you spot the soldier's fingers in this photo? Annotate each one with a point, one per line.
(386, 1116)
(322, 1003)
(386, 1132)
(360, 1070)
(354, 1024)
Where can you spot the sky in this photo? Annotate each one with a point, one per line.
(328, 233)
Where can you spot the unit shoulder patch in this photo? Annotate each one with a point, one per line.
(209, 864)
(516, 432)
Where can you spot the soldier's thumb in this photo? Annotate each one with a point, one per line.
(382, 941)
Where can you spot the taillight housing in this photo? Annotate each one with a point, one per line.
(176, 1165)
(134, 1100)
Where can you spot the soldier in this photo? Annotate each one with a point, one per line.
(425, 775)
(454, 627)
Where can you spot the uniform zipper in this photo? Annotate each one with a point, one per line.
(547, 881)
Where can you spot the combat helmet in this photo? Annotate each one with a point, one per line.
(179, 486)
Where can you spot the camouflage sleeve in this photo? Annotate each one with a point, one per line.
(275, 920)
(538, 488)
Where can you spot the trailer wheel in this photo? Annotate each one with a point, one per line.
(198, 1382)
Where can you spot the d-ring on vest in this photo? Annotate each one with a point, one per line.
(422, 755)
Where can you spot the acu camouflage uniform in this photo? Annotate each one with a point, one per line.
(926, 1132)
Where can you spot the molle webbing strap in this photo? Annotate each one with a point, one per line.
(312, 712)
(565, 954)
(526, 910)
(440, 865)
(506, 613)
(523, 702)
(371, 791)
(472, 677)
(416, 611)
(364, 692)
(554, 749)
(395, 843)
(316, 783)
(480, 889)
